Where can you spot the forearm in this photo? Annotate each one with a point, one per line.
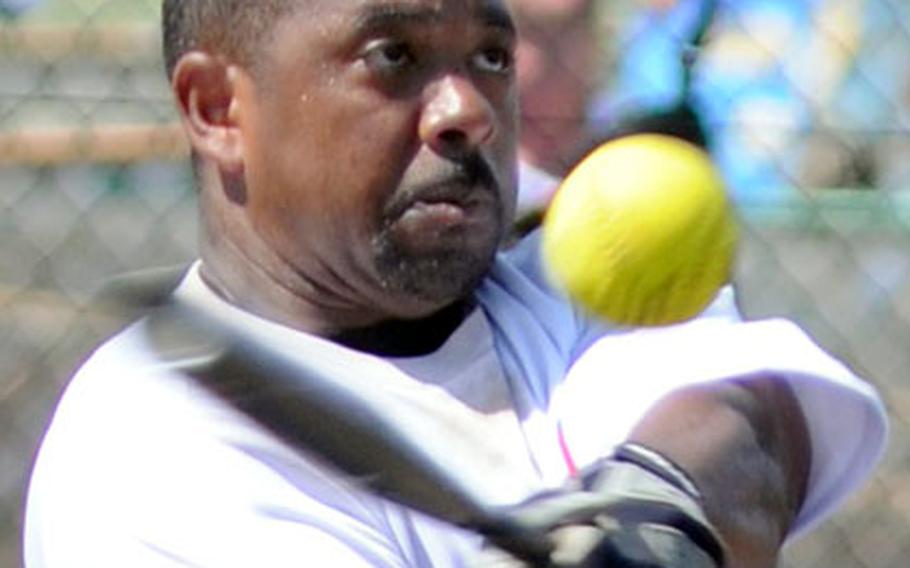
(746, 446)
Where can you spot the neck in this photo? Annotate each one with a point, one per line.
(257, 289)
(392, 337)
(408, 338)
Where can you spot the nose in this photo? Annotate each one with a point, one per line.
(456, 116)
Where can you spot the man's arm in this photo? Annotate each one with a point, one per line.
(745, 445)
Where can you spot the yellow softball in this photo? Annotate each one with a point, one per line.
(641, 232)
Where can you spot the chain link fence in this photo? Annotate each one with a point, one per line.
(806, 103)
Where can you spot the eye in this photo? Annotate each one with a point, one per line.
(494, 59)
(388, 56)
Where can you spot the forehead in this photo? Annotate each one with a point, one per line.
(366, 13)
(318, 31)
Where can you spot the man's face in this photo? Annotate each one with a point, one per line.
(379, 141)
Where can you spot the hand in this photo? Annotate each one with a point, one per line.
(634, 510)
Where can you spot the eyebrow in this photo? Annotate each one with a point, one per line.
(377, 18)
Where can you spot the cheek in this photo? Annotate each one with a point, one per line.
(354, 170)
(333, 157)
(281, 176)
(379, 147)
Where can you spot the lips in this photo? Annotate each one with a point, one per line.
(444, 215)
(446, 199)
(437, 215)
(447, 207)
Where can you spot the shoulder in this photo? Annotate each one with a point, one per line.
(141, 466)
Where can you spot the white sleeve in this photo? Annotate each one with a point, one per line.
(183, 506)
(142, 469)
(614, 382)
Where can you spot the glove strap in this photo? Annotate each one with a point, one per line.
(658, 464)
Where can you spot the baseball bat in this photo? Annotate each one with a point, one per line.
(332, 412)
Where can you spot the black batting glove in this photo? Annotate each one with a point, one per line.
(635, 509)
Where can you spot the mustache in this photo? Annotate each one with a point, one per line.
(455, 181)
(474, 170)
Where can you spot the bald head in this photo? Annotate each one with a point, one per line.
(230, 27)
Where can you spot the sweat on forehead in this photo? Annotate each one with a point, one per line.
(233, 27)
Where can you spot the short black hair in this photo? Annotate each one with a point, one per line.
(231, 27)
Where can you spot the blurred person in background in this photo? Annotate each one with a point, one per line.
(787, 94)
(559, 68)
(563, 67)
(558, 63)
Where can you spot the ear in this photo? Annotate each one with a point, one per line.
(206, 89)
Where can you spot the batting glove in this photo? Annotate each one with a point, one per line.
(635, 509)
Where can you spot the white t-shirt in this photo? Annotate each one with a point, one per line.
(142, 467)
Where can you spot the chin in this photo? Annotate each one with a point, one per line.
(438, 279)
